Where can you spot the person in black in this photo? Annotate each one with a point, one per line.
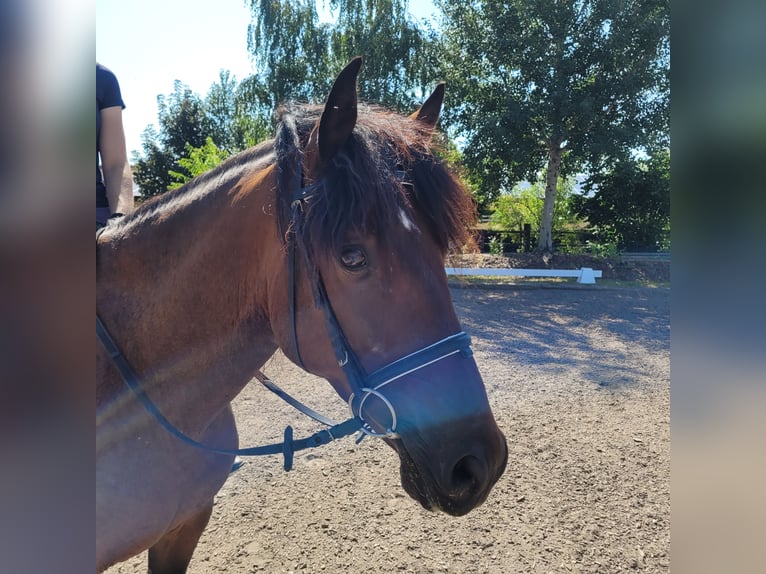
(114, 182)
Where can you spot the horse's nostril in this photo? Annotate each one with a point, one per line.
(468, 475)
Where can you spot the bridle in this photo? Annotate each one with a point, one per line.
(362, 385)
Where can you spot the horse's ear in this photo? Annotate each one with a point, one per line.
(339, 115)
(431, 108)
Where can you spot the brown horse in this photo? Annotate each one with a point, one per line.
(327, 243)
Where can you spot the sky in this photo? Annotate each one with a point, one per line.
(149, 44)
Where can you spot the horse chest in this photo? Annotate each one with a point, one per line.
(148, 482)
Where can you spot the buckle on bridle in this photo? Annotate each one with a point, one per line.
(366, 429)
(303, 195)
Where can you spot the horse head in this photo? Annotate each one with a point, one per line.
(368, 213)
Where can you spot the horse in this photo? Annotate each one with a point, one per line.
(327, 242)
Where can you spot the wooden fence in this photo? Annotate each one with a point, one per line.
(523, 241)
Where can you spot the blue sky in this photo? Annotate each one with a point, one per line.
(151, 43)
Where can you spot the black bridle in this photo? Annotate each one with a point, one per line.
(362, 385)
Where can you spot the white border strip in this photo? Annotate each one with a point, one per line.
(584, 275)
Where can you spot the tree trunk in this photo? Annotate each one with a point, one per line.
(545, 243)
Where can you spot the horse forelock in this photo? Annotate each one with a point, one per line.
(361, 189)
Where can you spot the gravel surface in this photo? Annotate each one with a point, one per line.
(579, 380)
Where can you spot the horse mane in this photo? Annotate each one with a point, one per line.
(224, 175)
(362, 189)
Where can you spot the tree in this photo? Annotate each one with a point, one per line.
(183, 119)
(630, 204)
(524, 204)
(554, 85)
(151, 170)
(220, 107)
(197, 134)
(183, 122)
(297, 56)
(239, 113)
(198, 160)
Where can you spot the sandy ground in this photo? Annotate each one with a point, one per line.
(579, 380)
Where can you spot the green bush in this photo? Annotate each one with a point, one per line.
(496, 245)
(605, 249)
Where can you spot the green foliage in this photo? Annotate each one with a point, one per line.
(513, 210)
(524, 204)
(581, 81)
(630, 204)
(495, 245)
(290, 49)
(197, 161)
(196, 134)
(298, 57)
(182, 121)
(151, 171)
(239, 113)
(570, 244)
(602, 249)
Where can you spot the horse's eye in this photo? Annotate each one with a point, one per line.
(353, 258)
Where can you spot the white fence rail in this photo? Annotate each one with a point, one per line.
(583, 275)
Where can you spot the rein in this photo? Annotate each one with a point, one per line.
(287, 447)
(363, 385)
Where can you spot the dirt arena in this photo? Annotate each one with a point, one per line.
(579, 381)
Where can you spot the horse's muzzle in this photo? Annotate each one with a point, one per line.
(462, 485)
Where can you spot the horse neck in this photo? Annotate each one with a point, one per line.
(185, 288)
